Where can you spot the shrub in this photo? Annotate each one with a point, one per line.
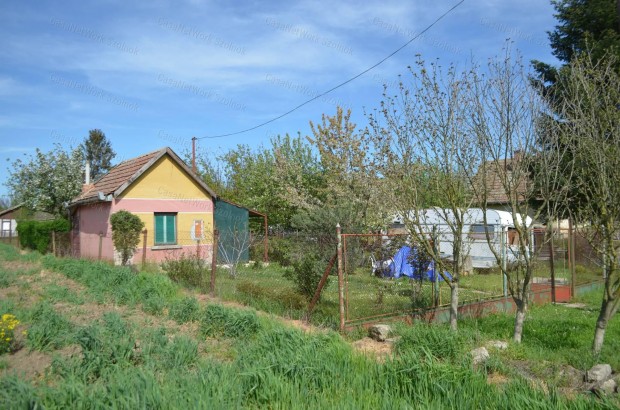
(219, 321)
(291, 300)
(306, 274)
(184, 310)
(37, 235)
(280, 251)
(188, 270)
(126, 228)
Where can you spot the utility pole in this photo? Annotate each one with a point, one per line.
(194, 154)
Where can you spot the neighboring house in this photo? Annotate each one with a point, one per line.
(9, 218)
(496, 193)
(175, 206)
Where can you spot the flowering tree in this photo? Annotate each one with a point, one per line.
(46, 181)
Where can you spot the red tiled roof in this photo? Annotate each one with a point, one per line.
(123, 174)
(495, 190)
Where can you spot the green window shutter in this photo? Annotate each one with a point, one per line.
(171, 229)
(159, 229)
(165, 229)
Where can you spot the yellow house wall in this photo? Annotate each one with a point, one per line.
(166, 187)
(165, 179)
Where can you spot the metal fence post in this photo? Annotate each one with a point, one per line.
(436, 297)
(54, 243)
(340, 277)
(144, 248)
(504, 255)
(571, 256)
(100, 245)
(552, 266)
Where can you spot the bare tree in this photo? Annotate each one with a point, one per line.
(426, 155)
(505, 123)
(590, 127)
(233, 247)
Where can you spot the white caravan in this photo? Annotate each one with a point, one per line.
(503, 237)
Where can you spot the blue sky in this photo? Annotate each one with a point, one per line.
(153, 74)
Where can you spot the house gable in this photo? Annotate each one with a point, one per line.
(165, 179)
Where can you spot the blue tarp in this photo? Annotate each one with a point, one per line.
(401, 266)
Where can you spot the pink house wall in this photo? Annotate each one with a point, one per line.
(94, 220)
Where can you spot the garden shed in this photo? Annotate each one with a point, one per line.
(234, 237)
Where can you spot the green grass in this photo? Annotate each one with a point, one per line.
(56, 293)
(48, 330)
(555, 333)
(367, 296)
(269, 365)
(117, 283)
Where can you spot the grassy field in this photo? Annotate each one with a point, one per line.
(95, 336)
(367, 296)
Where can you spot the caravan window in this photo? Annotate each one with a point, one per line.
(479, 231)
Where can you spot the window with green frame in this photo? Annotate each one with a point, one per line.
(165, 229)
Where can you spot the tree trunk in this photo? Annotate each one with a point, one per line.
(454, 305)
(601, 324)
(519, 319)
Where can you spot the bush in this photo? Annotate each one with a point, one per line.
(126, 228)
(280, 251)
(220, 321)
(291, 300)
(186, 270)
(37, 235)
(306, 274)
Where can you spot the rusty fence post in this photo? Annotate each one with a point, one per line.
(54, 243)
(214, 261)
(266, 242)
(319, 289)
(144, 232)
(552, 265)
(100, 245)
(571, 257)
(340, 277)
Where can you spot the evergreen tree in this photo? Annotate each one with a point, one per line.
(98, 152)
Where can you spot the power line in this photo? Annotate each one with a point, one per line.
(343, 83)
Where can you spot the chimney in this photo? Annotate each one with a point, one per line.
(518, 155)
(87, 186)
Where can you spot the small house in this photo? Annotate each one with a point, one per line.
(10, 217)
(175, 205)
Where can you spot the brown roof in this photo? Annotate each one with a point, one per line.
(20, 212)
(495, 191)
(124, 174)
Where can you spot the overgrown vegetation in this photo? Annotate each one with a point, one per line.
(249, 361)
(187, 270)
